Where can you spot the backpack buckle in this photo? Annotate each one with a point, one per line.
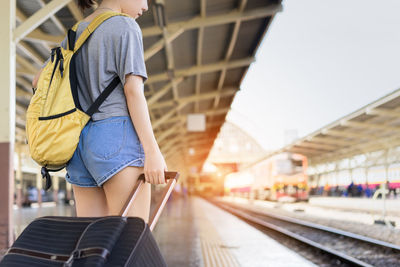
(53, 52)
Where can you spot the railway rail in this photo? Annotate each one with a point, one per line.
(341, 246)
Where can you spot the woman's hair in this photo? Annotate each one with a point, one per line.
(86, 3)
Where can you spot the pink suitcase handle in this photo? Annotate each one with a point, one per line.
(171, 177)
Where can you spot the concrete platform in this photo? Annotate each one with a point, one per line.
(357, 204)
(193, 232)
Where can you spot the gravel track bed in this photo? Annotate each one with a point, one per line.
(314, 255)
(369, 253)
(380, 232)
(366, 252)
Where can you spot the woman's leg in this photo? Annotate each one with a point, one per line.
(90, 201)
(118, 189)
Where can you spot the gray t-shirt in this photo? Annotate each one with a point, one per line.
(114, 48)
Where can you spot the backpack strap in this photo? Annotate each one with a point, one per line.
(75, 27)
(100, 99)
(71, 35)
(93, 25)
(78, 44)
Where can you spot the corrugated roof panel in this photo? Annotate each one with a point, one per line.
(254, 4)
(225, 102)
(216, 41)
(248, 38)
(217, 7)
(209, 81)
(156, 64)
(205, 105)
(233, 77)
(178, 10)
(187, 87)
(184, 49)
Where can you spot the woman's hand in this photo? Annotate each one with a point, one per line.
(154, 167)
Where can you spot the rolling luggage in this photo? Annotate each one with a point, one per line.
(91, 241)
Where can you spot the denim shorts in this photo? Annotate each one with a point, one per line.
(105, 147)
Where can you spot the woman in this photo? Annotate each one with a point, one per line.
(112, 153)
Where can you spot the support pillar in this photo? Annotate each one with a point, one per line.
(18, 180)
(384, 188)
(7, 120)
(39, 187)
(68, 189)
(56, 187)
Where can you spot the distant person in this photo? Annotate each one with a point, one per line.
(326, 190)
(367, 191)
(350, 189)
(391, 189)
(337, 191)
(360, 190)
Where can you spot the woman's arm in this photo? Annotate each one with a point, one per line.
(35, 80)
(154, 165)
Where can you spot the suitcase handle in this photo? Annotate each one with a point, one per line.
(172, 178)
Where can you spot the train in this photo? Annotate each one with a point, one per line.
(282, 177)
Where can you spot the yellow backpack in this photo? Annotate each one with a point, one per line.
(55, 119)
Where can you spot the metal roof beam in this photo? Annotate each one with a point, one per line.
(168, 132)
(229, 51)
(199, 54)
(32, 54)
(210, 112)
(384, 112)
(333, 141)
(315, 145)
(152, 99)
(38, 18)
(22, 93)
(155, 48)
(75, 11)
(54, 19)
(40, 37)
(202, 69)
(21, 18)
(199, 21)
(226, 92)
(369, 125)
(24, 63)
(304, 150)
(362, 148)
(25, 71)
(345, 134)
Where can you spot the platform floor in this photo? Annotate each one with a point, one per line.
(193, 232)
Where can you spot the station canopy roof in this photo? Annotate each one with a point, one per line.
(197, 53)
(373, 127)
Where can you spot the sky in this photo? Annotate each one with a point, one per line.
(319, 61)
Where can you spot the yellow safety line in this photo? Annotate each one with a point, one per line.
(215, 253)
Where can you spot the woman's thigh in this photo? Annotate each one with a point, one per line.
(118, 189)
(90, 201)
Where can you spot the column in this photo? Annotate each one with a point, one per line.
(7, 120)
(68, 191)
(18, 180)
(39, 187)
(55, 186)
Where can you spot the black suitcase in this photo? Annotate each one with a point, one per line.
(91, 241)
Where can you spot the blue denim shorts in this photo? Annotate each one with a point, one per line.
(105, 147)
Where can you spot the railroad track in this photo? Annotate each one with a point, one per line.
(342, 246)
